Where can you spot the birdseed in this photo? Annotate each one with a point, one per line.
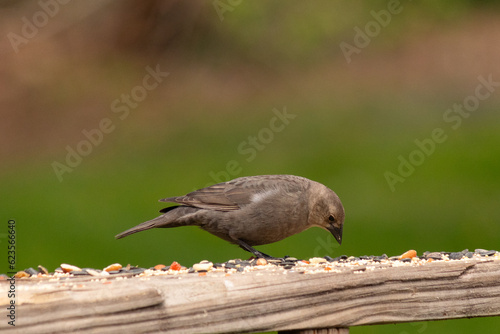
(287, 264)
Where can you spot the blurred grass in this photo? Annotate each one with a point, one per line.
(449, 203)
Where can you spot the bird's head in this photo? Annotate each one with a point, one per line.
(326, 211)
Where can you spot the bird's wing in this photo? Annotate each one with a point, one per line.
(213, 197)
(239, 192)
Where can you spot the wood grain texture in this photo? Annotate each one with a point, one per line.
(262, 300)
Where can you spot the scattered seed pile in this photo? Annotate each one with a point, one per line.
(313, 265)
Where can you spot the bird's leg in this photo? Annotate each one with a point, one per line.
(252, 250)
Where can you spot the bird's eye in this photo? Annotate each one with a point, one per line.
(331, 218)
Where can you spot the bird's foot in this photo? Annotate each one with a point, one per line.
(255, 252)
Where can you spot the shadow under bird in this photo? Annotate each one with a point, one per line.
(254, 210)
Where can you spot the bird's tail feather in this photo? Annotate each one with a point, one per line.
(141, 227)
(168, 219)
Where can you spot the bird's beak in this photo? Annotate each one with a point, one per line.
(337, 232)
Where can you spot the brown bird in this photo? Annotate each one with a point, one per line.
(254, 210)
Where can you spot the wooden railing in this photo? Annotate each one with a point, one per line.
(300, 300)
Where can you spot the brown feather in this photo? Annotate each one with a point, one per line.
(235, 194)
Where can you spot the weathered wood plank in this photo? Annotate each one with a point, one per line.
(260, 300)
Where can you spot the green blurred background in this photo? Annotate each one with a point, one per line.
(230, 64)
